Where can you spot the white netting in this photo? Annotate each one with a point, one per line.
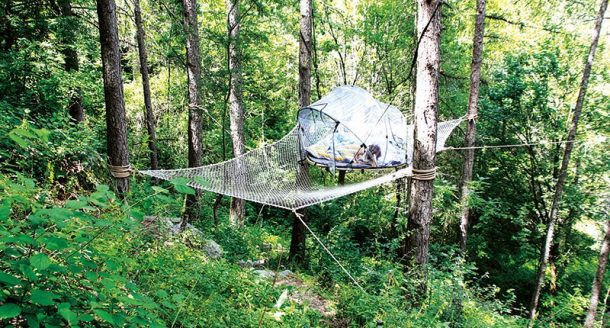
(274, 174)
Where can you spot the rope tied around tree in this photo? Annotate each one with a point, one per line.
(120, 171)
(424, 174)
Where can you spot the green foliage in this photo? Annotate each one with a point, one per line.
(53, 272)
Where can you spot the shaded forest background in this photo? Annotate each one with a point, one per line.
(72, 252)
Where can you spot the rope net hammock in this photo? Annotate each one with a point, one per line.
(347, 129)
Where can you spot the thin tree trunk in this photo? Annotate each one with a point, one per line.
(564, 228)
(236, 105)
(473, 100)
(564, 164)
(297, 243)
(403, 249)
(400, 190)
(149, 116)
(195, 129)
(314, 54)
(425, 114)
(77, 113)
(606, 312)
(341, 177)
(598, 281)
(116, 125)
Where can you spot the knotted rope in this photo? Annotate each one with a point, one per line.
(120, 171)
(424, 174)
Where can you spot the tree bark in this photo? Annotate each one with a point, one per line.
(149, 116)
(564, 164)
(236, 105)
(598, 280)
(341, 178)
(605, 311)
(75, 108)
(425, 115)
(297, 243)
(473, 100)
(403, 249)
(195, 129)
(116, 125)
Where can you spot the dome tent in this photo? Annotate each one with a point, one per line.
(349, 129)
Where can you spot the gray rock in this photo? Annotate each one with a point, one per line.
(193, 237)
(271, 274)
(212, 249)
(265, 273)
(285, 273)
(252, 264)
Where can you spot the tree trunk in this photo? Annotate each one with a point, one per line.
(341, 178)
(195, 130)
(425, 113)
(400, 190)
(297, 243)
(236, 105)
(149, 116)
(566, 226)
(314, 55)
(75, 108)
(563, 171)
(606, 312)
(598, 280)
(116, 125)
(473, 100)
(403, 249)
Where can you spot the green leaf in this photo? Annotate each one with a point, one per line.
(42, 297)
(69, 315)
(40, 261)
(27, 271)
(86, 317)
(26, 240)
(58, 213)
(5, 210)
(160, 190)
(201, 181)
(180, 184)
(9, 311)
(9, 279)
(32, 320)
(55, 243)
(104, 315)
(184, 189)
(90, 275)
(23, 132)
(19, 140)
(102, 188)
(179, 181)
(76, 204)
(42, 133)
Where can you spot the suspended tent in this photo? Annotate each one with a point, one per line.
(346, 129)
(349, 129)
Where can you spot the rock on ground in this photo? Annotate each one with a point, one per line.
(194, 237)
